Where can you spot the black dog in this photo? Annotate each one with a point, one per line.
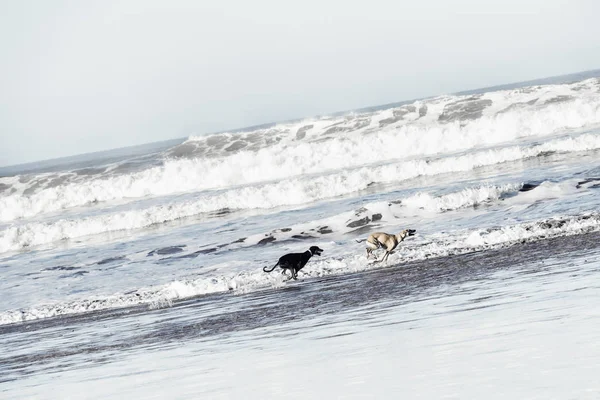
(295, 261)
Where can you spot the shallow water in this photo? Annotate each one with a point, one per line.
(139, 273)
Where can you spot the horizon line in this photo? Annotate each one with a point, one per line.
(504, 86)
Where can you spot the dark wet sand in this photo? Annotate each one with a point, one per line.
(61, 343)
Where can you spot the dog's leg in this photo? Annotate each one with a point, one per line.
(389, 250)
(371, 247)
(385, 256)
(284, 272)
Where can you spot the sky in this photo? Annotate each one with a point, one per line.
(84, 76)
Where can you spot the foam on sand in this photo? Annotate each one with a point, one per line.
(253, 279)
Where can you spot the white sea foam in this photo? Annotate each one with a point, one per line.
(434, 127)
(289, 192)
(468, 197)
(420, 204)
(254, 279)
(38, 233)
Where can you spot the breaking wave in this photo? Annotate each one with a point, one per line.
(327, 145)
(300, 190)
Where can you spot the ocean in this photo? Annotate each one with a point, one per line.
(138, 272)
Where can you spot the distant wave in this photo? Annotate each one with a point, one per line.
(254, 279)
(284, 193)
(434, 127)
(489, 118)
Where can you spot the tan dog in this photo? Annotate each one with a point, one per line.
(385, 240)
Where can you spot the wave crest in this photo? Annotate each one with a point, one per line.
(324, 145)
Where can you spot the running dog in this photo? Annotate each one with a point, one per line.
(387, 241)
(295, 261)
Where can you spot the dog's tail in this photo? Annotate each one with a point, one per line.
(360, 241)
(270, 270)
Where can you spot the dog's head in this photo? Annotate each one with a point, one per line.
(315, 250)
(406, 233)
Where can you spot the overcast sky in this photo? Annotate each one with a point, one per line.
(82, 76)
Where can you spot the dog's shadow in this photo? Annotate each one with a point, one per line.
(371, 261)
(292, 288)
